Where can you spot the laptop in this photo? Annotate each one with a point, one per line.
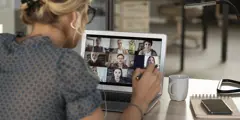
(113, 56)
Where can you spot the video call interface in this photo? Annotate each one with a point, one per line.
(114, 59)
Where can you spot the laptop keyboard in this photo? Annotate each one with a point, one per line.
(116, 96)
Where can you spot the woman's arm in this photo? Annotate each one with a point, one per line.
(140, 52)
(144, 91)
(133, 113)
(154, 53)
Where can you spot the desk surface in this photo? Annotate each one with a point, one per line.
(171, 110)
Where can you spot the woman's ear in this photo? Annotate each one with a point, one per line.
(74, 16)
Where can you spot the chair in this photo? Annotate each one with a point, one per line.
(219, 15)
(173, 12)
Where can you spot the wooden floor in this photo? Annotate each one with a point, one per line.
(204, 64)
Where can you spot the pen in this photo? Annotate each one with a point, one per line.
(140, 76)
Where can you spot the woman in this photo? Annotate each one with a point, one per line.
(43, 78)
(94, 61)
(117, 76)
(147, 50)
(131, 63)
(94, 69)
(150, 60)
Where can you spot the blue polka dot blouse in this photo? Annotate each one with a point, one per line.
(39, 81)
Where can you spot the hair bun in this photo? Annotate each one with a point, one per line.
(30, 3)
(24, 6)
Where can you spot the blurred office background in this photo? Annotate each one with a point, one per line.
(164, 16)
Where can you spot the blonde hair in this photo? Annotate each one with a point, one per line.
(48, 11)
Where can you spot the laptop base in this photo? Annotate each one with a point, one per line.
(115, 106)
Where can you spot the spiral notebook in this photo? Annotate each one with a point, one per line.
(200, 113)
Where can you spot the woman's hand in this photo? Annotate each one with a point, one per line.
(147, 88)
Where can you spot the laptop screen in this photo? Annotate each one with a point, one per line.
(114, 59)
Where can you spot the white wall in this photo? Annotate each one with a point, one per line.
(102, 73)
(7, 15)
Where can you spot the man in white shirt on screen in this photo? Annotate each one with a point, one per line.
(120, 49)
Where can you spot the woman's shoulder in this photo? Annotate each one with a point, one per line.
(140, 52)
(153, 51)
(6, 37)
(69, 55)
(36, 46)
(115, 50)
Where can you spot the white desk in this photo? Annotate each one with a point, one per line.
(170, 110)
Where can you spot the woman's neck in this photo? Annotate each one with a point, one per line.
(56, 35)
(94, 60)
(117, 79)
(120, 65)
(147, 50)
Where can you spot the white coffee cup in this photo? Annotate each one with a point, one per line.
(178, 87)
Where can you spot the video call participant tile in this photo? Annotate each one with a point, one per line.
(117, 75)
(121, 46)
(97, 44)
(148, 48)
(101, 72)
(139, 61)
(151, 60)
(129, 76)
(96, 59)
(120, 61)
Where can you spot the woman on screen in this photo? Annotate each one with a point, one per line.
(117, 76)
(150, 60)
(147, 50)
(94, 69)
(131, 64)
(95, 60)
